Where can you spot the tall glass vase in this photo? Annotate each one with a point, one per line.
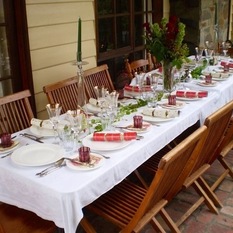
(168, 76)
(81, 86)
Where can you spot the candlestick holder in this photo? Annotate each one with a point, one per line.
(81, 85)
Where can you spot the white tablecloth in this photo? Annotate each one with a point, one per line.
(61, 195)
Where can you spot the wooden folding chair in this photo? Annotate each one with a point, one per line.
(14, 219)
(97, 76)
(64, 92)
(217, 124)
(130, 206)
(139, 66)
(15, 112)
(225, 147)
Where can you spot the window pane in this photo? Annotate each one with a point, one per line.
(123, 34)
(138, 5)
(4, 57)
(106, 34)
(105, 7)
(138, 26)
(1, 12)
(122, 6)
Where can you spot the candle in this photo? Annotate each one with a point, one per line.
(79, 52)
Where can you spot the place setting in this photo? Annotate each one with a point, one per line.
(171, 103)
(7, 144)
(137, 125)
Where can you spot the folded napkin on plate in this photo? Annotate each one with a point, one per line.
(98, 136)
(192, 94)
(137, 89)
(45, 124)
(94, 102)
(161, 113)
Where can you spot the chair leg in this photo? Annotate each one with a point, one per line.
(156, 225)
(209, 192)
(87, 226)
(207, 200)
(169, 221)
(226, 165)
(189, 211)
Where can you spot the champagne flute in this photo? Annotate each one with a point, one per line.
(54, 111)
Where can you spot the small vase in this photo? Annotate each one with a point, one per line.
(168, 76)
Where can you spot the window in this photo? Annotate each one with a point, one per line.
(119, 30)
(15, 62)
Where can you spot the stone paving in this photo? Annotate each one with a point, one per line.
(202, 220)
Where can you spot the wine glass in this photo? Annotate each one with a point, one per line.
(111, 110)
(54, 111)
(224, 48)
(210, 48)
(199, 52)
(75, 118)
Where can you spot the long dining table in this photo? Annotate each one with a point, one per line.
(62, 195)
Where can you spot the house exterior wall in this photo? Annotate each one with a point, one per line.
(52, 29)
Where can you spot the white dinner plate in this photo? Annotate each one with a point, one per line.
(104, 146)
(156, 119)
(188, 99)
(10, 148)
(204, 84)
(37, 154)
(96, 159)
(179, 105)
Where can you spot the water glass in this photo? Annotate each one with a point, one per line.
(67, 139)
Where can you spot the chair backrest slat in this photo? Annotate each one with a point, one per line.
(64, 92)
(15, 112)
(97, 76)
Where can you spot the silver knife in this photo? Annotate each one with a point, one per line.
(34, 138)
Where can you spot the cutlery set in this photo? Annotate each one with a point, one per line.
(32, 137)
(59, 164)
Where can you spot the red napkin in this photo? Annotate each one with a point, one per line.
(114, 136)
(136, 88)
(192, 94)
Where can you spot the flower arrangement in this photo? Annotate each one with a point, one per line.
(165, 41)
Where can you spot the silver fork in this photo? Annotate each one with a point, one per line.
(47, 170)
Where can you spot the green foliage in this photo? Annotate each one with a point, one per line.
(165, 41)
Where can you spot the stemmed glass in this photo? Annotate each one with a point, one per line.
(224, 48)
(199, 53)
(54, 111)
(75, 118)
(101, 95)
(210, 48)
(111, 110)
